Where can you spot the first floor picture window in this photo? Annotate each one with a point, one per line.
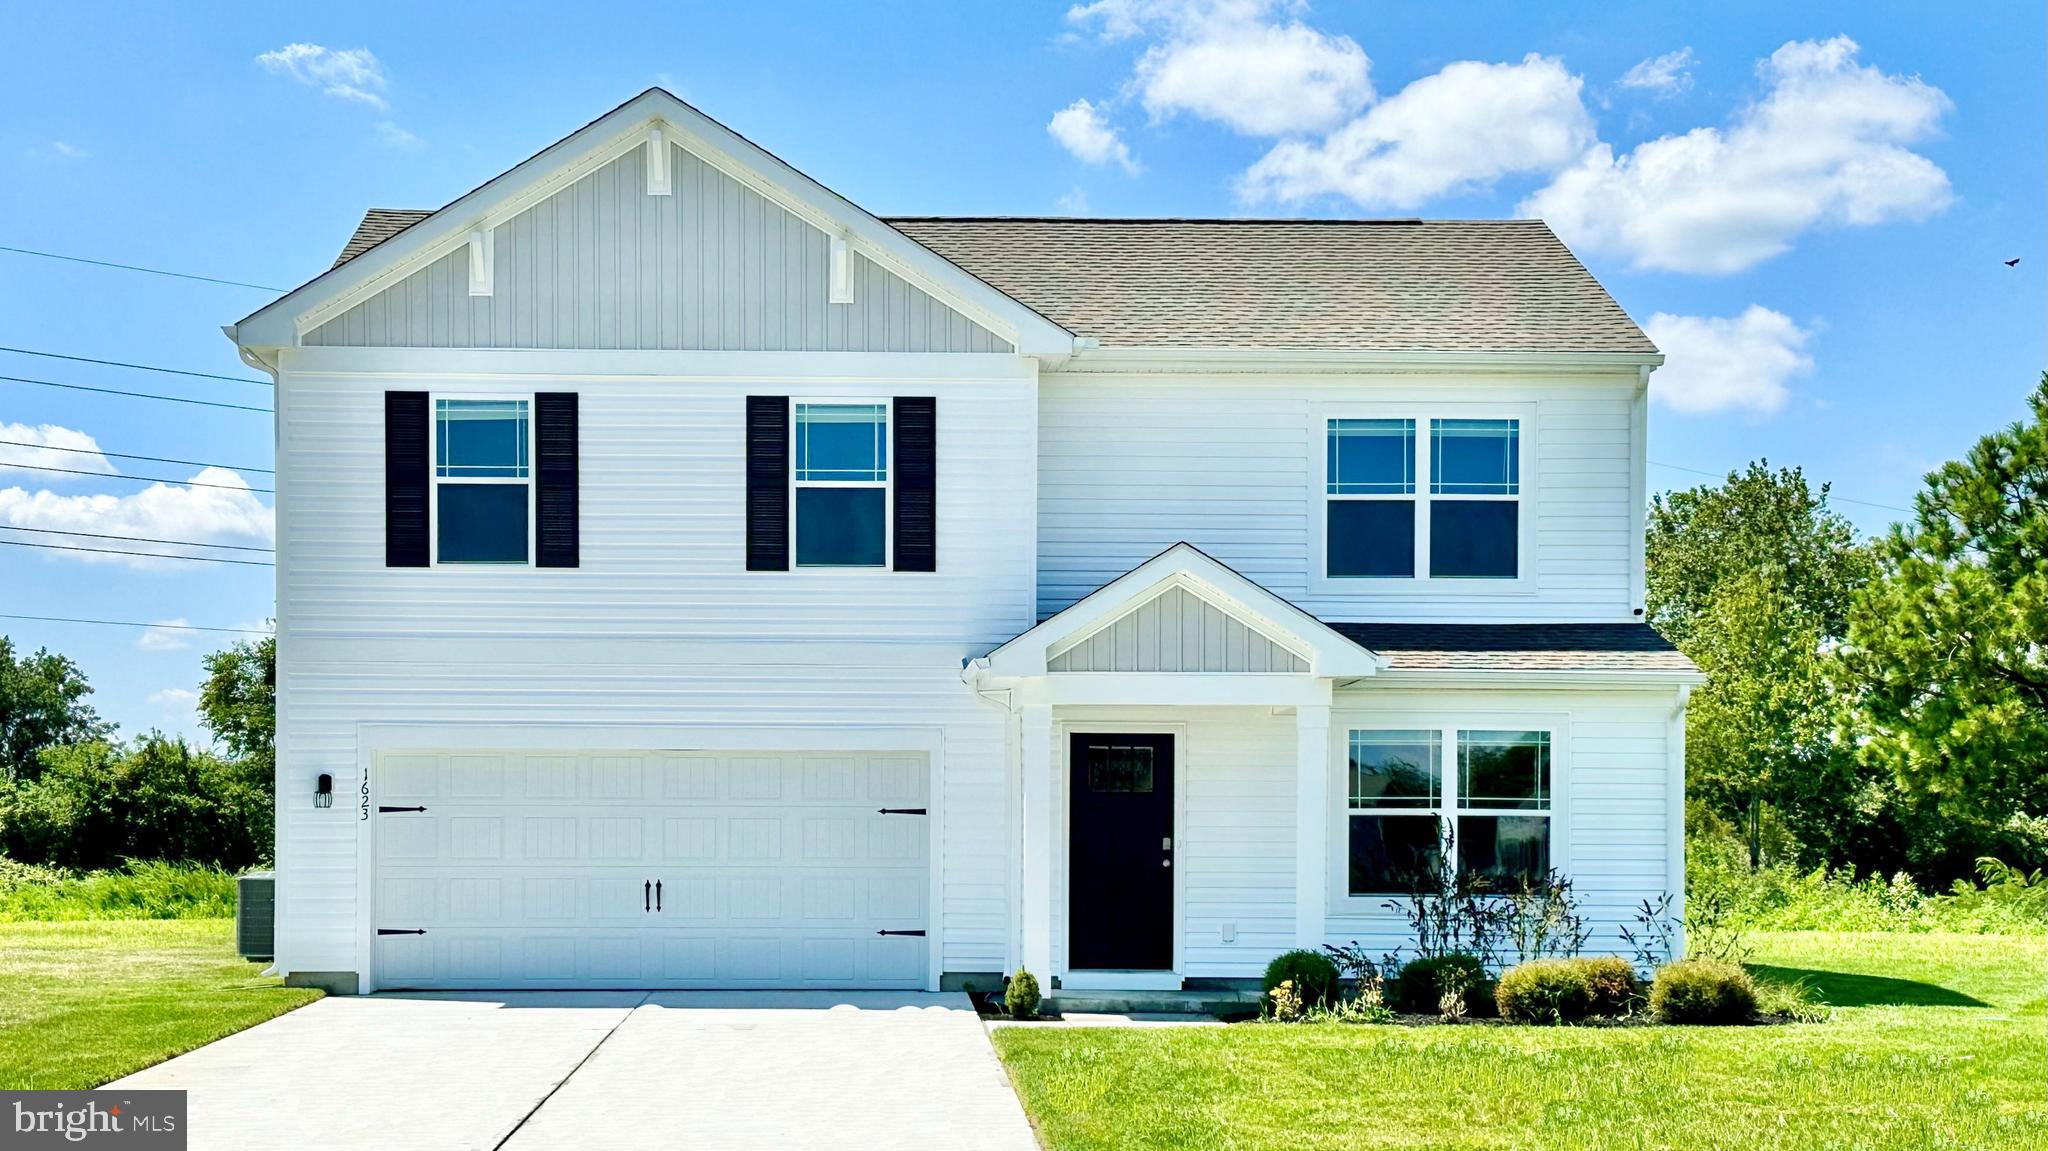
(482, 480)
(1493, 796)
(841, 472)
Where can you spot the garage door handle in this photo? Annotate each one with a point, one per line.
(919, 931)
(646, 895)
(657, 895)
(900, 811)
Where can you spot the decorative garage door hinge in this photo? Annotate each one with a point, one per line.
(901, 811)
(401, 931)
(919, 931)
(381, 808)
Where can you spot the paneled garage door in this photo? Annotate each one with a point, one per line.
(655, 869)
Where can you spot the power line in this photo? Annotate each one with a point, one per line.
(1831, 494)
(136, 395)
(137, 367)
(139, 268)
(127, 456)
(147, 555)
(139, 479)
(131, 623)
(133, 539)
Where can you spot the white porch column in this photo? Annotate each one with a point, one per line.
(1039, 840)
(1311, 824)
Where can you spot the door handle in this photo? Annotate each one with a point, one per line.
(657, 895)
(646, 896)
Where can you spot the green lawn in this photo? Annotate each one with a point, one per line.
(85, 1002)
(1939, 1041)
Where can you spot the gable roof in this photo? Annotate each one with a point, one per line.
(375, 262)
(1498, 286)
(1587, 647)
(1349, 285)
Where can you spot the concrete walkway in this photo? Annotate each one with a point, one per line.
(616, 1070)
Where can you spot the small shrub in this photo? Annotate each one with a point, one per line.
(1419, 988)
(1703, 991)
(1613, 982)
(1312, 973)
(1545, 991)
(1285, 1002)
(1021, 998)
(1794, 1001)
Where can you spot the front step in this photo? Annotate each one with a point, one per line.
(1091, 1001)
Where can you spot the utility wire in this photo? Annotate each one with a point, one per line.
(137, 367)
(139, 268)
(132, 623)
(140, 479)
(127, 552)
(136, 395)
(134, 539)
(127, 456)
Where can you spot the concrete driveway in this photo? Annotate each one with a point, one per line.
(616, 1070)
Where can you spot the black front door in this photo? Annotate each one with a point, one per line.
(1120, 853)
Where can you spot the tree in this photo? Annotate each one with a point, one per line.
(42, 703)
(96, 804)
(1948, 650)
(238, 701)
(1753, 579)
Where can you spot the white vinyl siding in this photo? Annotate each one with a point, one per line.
(602, 264)
(1130, 465)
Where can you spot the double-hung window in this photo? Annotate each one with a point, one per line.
(1493, 793)
(1451, 510)
(841, 477)
(483, 458)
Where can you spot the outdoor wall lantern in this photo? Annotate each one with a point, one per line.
(323, 791)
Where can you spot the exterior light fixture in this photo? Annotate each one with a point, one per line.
(323, 791)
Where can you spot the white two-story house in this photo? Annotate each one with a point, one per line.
(688, 579)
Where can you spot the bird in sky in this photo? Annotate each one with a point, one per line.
(2013, 263)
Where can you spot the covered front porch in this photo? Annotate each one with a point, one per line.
(1172, 757)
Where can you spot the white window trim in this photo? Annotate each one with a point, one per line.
(1447, 726)
(1422, 583)
(435, 478)
(888, 485)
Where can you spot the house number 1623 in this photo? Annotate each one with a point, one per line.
(366, 796)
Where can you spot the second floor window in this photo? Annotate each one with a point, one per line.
(482, 481)
(841, 477)
(1452, 512)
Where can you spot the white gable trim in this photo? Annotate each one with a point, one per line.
(1329, 654)
(629, 126)
(1178, 582)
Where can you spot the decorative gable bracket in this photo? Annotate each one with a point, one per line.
(483, 263)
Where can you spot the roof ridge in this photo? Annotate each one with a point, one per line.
(1397, 221)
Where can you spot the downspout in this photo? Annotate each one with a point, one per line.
(1674, 815)
(975, 674)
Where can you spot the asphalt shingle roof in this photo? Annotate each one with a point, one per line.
(1332, 285)
(1518, 646)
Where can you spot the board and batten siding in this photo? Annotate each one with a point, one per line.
(712, 266)
(1176, 631)
(1130, 465)
(643, 633)
(1234, 846)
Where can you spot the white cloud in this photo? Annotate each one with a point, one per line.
(1460, 129)
(1074, 202)
(1825, 146)
(397, 137)
(227, 514)
(174, 697)
(84, 455)
(1715, 363)
(165, 635)
(1665, 75)
(352, 74)
(1249, 64)
(1081, 129)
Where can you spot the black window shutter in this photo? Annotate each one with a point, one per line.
(917, 484)
(767, 483)
(406, 484)
(555, 499)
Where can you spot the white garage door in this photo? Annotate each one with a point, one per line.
(654, 869)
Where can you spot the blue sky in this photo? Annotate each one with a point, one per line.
(1808, 204)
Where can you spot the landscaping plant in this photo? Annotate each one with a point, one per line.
(1021, 996)
(1312, 974)
(1703, 991)
(1419, 987)
(1545, 991)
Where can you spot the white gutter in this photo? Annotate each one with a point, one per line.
(1088, 355)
